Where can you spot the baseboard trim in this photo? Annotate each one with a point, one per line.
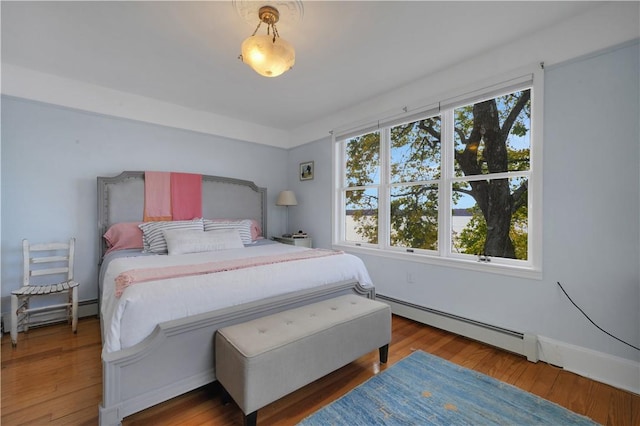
(618, 372)
(611, 370)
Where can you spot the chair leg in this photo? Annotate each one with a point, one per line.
(24, 307)
(14, 320)
(74, 309)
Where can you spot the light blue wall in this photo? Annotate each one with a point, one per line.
(313, 212)
(51, 157)
(591, 241)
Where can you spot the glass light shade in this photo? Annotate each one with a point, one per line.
(266, 57)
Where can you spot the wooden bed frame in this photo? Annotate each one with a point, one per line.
(178, 355)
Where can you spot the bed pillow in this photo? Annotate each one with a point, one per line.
(256, 230)
(124, 235)
(243, 226)
(183, 242)
(153, 236)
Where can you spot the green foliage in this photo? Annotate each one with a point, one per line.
(472, 238)
(414, 217)
(363, 160)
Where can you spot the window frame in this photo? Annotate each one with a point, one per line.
(531, 77)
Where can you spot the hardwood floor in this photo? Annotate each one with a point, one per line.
(54, 378)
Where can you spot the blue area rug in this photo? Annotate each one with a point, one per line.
(423, 389)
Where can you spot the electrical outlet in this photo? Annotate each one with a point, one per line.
(410, 278)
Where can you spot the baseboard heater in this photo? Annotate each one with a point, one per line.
(520, 343)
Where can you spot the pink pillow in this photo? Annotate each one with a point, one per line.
(125, 235)
(256, 230)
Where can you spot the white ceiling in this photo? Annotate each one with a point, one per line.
(185, 53)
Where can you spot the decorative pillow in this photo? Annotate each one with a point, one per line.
(256, 230)
(243, 226)
(124, 235)
(153, 236)
(182, 242)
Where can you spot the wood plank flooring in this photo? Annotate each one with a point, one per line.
(55, 378)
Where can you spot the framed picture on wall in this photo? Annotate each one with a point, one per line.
(306, 170)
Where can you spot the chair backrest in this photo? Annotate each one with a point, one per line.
(47, 260)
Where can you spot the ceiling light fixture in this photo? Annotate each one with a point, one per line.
(269, 55)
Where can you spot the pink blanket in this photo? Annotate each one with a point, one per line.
(172, 196)
(186, 196)
(134, 276)
(157, 196)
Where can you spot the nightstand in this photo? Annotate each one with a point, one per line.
(300, 242)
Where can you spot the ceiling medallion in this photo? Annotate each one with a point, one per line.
(290, 12)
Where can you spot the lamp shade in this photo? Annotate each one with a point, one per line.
(268, 57)
(286, 198)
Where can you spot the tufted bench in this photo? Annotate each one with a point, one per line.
(262, 360)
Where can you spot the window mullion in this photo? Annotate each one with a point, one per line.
(445, 186)
(384, 191)
(339, 208)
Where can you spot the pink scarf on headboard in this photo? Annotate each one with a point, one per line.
(186, 196)
(172, 196)
(157, 196)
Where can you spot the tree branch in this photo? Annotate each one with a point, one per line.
(461, 135)
(515, 111)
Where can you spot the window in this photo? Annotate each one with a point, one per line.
(454, 183)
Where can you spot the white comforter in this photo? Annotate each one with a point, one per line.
(132, 317)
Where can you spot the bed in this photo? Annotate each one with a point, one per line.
(158, 335)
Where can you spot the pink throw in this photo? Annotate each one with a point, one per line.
(157, 196)
(186, 196)
(134, 276)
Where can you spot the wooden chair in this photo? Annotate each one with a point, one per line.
(48, 270)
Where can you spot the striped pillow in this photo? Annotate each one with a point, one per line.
(153, 239)
(243, 226)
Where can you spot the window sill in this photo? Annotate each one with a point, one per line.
(490, 268)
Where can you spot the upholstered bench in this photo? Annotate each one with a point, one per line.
(262, 360)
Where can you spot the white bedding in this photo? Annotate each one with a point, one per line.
(132, 317)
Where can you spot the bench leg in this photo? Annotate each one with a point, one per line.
(384, 353)
(251, 419)
(226, 398)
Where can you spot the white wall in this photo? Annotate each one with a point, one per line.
(52, 155)
(591, 240)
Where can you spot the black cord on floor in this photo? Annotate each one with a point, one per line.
(599, 328)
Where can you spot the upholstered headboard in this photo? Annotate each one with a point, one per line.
(121, 199)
